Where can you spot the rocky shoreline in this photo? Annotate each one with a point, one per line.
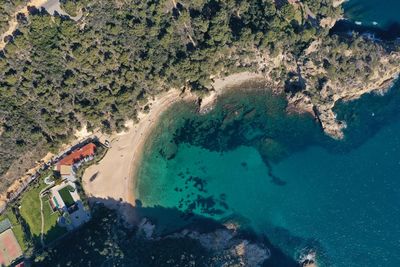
(225, 244)
(326, 72)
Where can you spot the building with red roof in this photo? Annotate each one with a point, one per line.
(77, 155)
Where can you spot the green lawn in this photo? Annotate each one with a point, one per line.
(50, 217)
(16, 227)
(66, 196)
(30, 209)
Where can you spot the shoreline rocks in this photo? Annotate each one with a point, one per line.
(228, 248)
(224, 244)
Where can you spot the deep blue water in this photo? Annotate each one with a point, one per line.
(278, 175)
(281, 177)
(382, 12)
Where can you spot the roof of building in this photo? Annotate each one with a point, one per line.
(4, 225)
(65, 170)
(87, 150)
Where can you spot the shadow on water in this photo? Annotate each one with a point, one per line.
(107, 241)
(389, 33)
(252, 121)
(258, 119)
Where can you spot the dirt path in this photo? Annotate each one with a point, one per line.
(41, 213)
(51, 6)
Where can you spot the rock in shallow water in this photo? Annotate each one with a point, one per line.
(228, 249)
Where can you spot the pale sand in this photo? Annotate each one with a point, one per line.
(13, 23)
(115, 174)
(222, 85)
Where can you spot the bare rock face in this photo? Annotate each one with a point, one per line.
(250, 254)
(329, 71)
(343, 75)
(146, 227)
(228, 249)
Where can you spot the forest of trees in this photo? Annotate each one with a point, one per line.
(57, 75)
(7, 9)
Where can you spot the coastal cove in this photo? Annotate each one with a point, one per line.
(207, 133)
(277, 174)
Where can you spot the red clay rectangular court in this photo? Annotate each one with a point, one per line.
(9, 248)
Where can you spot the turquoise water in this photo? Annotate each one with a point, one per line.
(384, 12)
(278, 175)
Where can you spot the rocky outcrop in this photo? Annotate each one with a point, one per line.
(308, 258)
(146, 228)
(329, 70)
(363, 77)
(228, 249)
(224, 244)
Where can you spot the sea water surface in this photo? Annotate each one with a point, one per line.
(280, 176)
(371, 12)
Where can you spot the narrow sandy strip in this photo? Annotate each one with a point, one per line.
(13, 23)
(113, 180)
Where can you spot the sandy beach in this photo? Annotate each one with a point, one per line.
(113, 180)
(222, 85)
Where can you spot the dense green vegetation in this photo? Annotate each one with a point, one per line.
(58, 74)
(7, 9)
(105, 242)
